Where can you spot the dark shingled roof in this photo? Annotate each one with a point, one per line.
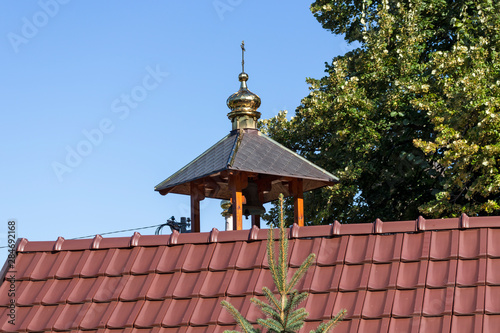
(433, 276)
(251, 151)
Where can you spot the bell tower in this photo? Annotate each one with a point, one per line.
(246, 167)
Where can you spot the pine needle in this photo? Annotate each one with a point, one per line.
(282, 315)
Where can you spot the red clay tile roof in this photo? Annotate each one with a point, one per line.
(413, 276)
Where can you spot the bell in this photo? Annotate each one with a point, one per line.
(253, 205)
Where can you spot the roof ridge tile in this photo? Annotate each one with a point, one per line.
(58, 244)
(77, 244)
(420, 223)
(21, 244)
(134, 239)
(153, 240)
(95, 243)
(213, 235)
(464, 221)
(173, 237)
(484, 221)
(336, 226)
(377, 226)
(294, 231)
(254, 233)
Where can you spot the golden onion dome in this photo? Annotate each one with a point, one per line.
(243, 105)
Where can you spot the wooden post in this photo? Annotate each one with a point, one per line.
(195, 214)
(298, 205)
(256, 220)
(237, 182)
(197, 194)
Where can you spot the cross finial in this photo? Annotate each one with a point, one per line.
(243, 56)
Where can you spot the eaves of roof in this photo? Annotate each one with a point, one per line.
(247, 151)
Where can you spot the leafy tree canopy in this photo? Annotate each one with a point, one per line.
(409, 120)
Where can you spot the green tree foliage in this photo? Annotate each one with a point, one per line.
(465, 111)
(282, 312)
(409, 120)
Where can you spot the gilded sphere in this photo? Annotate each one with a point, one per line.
(243, 99)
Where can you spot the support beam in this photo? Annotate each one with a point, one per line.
(195, 214)
(298, 201)
(256, 220)
(197, 192)
(212, 187)
(237, 182)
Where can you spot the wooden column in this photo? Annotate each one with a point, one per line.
(298, 198)
(197, 194)
(256, 220)
(237, 182)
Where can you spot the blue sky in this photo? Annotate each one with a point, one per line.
(137, 89)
